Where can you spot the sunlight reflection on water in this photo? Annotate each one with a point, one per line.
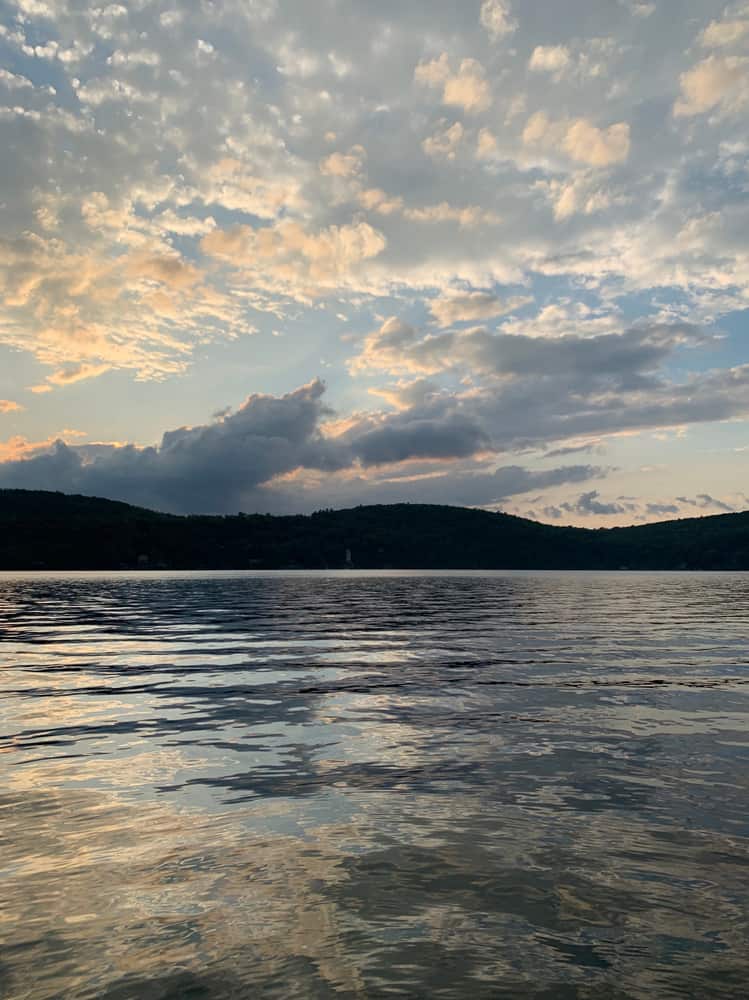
(364, 785)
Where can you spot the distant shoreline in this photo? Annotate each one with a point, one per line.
(373, 573)
(47, 532)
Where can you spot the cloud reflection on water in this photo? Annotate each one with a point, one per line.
(226, 786)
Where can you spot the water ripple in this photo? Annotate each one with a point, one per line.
(374, 784)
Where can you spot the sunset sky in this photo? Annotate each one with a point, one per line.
(280, 255)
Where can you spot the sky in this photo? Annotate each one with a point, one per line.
(275, 255)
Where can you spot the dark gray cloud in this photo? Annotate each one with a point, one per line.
(574, 449)
(626, 361)
(205, 468)
(536, 410)
(453, 436)
(706, 502)
(662, 508)
(231, 463)
(589, 503)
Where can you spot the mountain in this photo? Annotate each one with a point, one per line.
(42, 530)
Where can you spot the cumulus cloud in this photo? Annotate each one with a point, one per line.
(9, 406)
(344, 164)
(445, 141)
(718, 82)
(467, 88)
(580, 139)
(588, 59)
(376, 200)
(581, 194)
(497, 18)
(554, 59)
(244, 457)
(208, 467)
(725, 33)
(538, 391)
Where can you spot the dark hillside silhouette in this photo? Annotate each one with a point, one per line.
(41, 530)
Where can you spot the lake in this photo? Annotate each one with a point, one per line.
(374, 784)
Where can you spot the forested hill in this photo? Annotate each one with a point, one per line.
(40, 530)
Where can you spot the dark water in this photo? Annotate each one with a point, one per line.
(362, 785)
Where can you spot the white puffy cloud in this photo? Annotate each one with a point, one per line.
(344, 164)
(718, 82)
(467, 88)
(496, 17)
(580, 139)
(725, 33)
(554, 59)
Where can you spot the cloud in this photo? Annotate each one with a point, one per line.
(464, 307)
(718, 82)
(9, 406)
(443, 437)
(467, 89)
(704, 501)
(627, 509)
(586, 143)
(589, 59)
(589, 504)
(537, 391)
(444, 142)
(582, 194)
(461, 487)
(662, 509)
(486, 145)
(70, 374)
(554, 59)
(573, 449)
(627, 357)
(641, 8)
(468, 216)
(344, 164)
(244, 458)
(170, 271)
(496, 18)
(208, 467)
(580, 139)
(291, 260)
(168, 205)
(376, 200)
(724, 34)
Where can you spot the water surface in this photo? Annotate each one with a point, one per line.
(374, 785)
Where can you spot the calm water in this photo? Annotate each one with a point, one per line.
(374, 785)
